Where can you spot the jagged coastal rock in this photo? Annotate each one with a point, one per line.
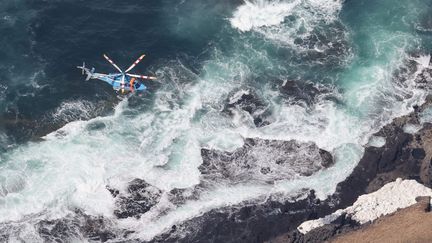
(404, 155)
(264, 160)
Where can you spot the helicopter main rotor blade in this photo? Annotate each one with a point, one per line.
(112, 63)
(135, 63)
(141, 76)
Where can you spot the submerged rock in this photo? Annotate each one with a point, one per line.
(179, 196)
(249, 102)
(305, 92)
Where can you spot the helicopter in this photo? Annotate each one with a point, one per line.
(121, 81)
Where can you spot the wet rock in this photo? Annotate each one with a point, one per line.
(75, 227)
(114, 192)
(59, 230)
(404, 155)
(252, 221)
(326, 158)
(94, 229)
(249, 102)
(418, 153)
(179, 196)
(299, 91)
(305, 92)
(327, 46)
(259, 221)
(264, 160)
(139, 198)
(341, 225)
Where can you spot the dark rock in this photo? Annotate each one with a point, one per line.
(399, 157)
(264, 160)
(339, 226)
(95, 229)
(74, 227)
(418, 153)
(139, 199)
(326, 158)
(179, 196)
(249, 102)
(59, 230)
(305, 92)
(249, 222)
(265, 170)
(299, 91)
(114, 192)
(332, 42)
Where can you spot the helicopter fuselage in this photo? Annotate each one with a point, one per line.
(115, 80)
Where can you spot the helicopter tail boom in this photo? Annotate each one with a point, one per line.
(86, 71)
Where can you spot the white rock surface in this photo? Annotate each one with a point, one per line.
(368, 207)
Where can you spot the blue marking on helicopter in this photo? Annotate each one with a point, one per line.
(122, 81)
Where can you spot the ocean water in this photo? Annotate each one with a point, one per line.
(327, 72)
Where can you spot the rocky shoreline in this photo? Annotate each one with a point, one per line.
(404, 155)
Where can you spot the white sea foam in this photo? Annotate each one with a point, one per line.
(391, 197)
(259, 13)
(283, 21)
(377, 141)
(424, 60)
(74, 110)
(237, 96)
(426, 116)
(254, 14)
(412, 128)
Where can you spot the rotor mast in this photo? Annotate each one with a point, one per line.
(124, 73)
